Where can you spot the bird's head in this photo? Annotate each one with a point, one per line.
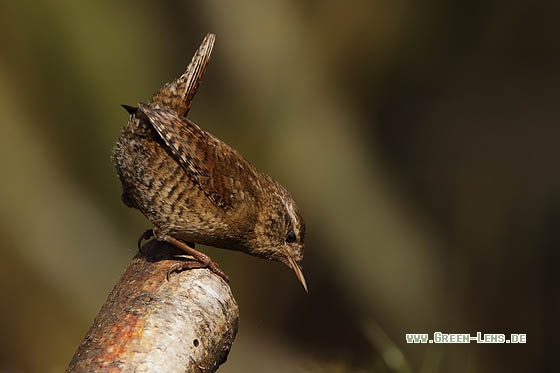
(280, 230)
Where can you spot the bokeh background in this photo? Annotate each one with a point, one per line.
(420, 139)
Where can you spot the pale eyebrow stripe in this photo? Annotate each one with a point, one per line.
(290, 209)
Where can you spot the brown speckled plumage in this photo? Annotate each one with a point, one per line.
(195, 188)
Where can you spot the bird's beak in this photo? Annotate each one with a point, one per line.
(298, 272)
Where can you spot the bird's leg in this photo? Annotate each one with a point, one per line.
(149, 233)
(202, 260)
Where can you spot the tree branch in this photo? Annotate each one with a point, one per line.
(152, 325)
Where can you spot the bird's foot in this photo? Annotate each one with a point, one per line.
(182, 266)
(145, 236)
(202, 260)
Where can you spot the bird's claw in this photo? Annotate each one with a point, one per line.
(184, 265)
(149, 233)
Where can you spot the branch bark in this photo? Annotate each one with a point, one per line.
(151, 325)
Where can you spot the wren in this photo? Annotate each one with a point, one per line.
(194, 188)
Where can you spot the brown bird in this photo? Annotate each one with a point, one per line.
(194, 188)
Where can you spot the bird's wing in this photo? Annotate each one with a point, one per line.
(217, 169)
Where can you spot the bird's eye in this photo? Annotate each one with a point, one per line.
(291, 237)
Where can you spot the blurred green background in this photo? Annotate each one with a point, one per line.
(420, 140)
